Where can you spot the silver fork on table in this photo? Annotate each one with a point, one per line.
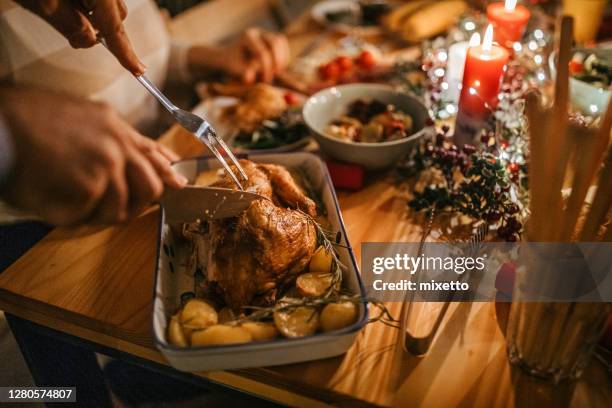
(196, 125)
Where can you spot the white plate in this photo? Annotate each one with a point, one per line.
(212, 110)
(172, 279)
(320, 10)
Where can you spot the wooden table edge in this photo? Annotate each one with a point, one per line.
(259, 382)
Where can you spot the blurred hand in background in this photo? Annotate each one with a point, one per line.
(257, 55)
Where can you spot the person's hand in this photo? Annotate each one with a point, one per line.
(256, 55)
(68, 17)
(78, 161)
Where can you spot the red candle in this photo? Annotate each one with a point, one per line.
(509, 21)
(482, 77)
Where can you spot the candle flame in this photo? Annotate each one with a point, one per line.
(474, 40)
(510, 5)
(487, 43)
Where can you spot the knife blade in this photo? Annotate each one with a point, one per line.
(192, 203)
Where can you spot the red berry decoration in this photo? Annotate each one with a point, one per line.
(513, 168)
(494, 216)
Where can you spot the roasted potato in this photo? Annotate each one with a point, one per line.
(176, 335)
(321, 261)
(260, 330)
(338, 315)
(299, 322)
(313, 284)
(197, 314)
(220, 334)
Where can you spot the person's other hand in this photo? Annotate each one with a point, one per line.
(106, 18)
(78, 161)
(256, 55)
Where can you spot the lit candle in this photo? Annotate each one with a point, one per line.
(454, 68)
(482, 77)
(509, 21)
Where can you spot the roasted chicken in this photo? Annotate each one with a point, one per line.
(261, 102)
(248, 258)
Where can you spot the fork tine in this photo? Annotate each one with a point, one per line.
(213, 138)
(226, 166)
(232, 158)
(204, 134)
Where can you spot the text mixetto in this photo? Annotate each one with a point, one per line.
(407, 285)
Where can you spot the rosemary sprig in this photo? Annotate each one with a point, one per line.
(384, 316)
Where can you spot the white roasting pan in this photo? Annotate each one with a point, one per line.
(172, 279)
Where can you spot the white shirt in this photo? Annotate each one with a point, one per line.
(33, 53)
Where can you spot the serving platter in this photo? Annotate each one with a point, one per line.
(172, 279)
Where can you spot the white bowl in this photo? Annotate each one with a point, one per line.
(328, 104)
(584, 97)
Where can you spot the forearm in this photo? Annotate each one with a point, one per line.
(203, 60)
(192, 62)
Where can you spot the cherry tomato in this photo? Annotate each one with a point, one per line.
(291, 98)
(366, 60)
(575, 66)
(329, 71)
(345, 63)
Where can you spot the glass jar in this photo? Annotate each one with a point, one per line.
(554, 339)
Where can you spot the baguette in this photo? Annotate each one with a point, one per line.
(432, 20)
(395, 20)
(419, 20)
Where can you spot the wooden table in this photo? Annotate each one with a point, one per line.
(96, 285)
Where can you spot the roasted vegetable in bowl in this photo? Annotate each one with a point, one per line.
(592, 69)
(371, 122)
